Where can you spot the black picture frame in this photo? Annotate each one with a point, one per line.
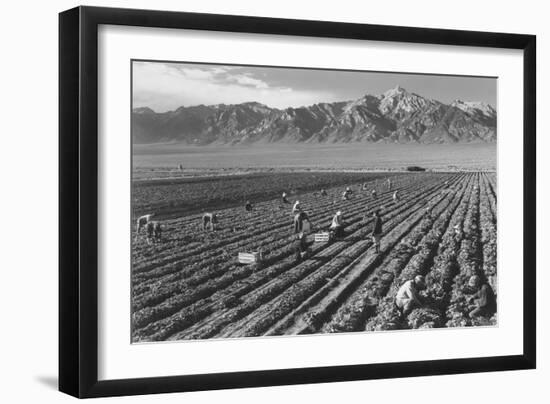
(78, 200)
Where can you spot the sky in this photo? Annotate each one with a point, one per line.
(165, 86)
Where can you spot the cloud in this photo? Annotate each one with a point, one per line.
(246, 80)
(198, 74)
(164, 87)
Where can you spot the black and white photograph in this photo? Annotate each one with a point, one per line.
(280, 201)
(268, 202)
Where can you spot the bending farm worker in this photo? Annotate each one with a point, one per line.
(407, 297)
(395, 196)
(299, 218)
(209, 220)
(284, 198)
(457, 232)
(248, 206)
(485, 304)
(142, 222)
(347, 193)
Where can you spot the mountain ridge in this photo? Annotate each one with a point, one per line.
(395, 116)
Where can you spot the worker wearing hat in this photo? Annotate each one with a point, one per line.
(300, 217)
(407, 297)
(296, 208)
(484, 300)
(347, 194)
(337, 225)
(284, 198)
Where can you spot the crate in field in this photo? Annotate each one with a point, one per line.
(322, 237)
(249, 258)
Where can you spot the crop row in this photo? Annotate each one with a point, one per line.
(387, 316)
(362, 304)
(171, 196)
(311, 271)
(235, 225)
(270, 228)
(209, 265)
(179, 301)
(487, 222)
(196, 290)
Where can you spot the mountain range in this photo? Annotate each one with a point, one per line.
(396, 116)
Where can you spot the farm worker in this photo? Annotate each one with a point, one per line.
(285, 200)
(150, 232)
(484, 299)
(407, 297)
(446, 184)
(142, 222)
(389, 184)
(299, 219)
(337, 225)
(374, 194)
(209, 220)
(377, 231)
(347, 194)
(323, 192)
(158, 231)
(296, 207)
(457, 233)
(300, 246)
(248, 206)
(395, 196)
(365, 186)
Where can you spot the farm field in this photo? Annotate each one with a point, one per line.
(176, 196)
(163, 160)
(191, 286)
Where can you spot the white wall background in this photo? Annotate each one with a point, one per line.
(28, 166)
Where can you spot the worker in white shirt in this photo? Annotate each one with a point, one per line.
(407, 297)
(337, 225)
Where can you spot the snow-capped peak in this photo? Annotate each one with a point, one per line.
(398, 100)
(472, 107)
(397, 90)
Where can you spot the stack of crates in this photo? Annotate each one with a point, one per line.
(250, 258)
(322, 237)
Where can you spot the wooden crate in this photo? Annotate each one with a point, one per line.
(249, 258)
(322, 237)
